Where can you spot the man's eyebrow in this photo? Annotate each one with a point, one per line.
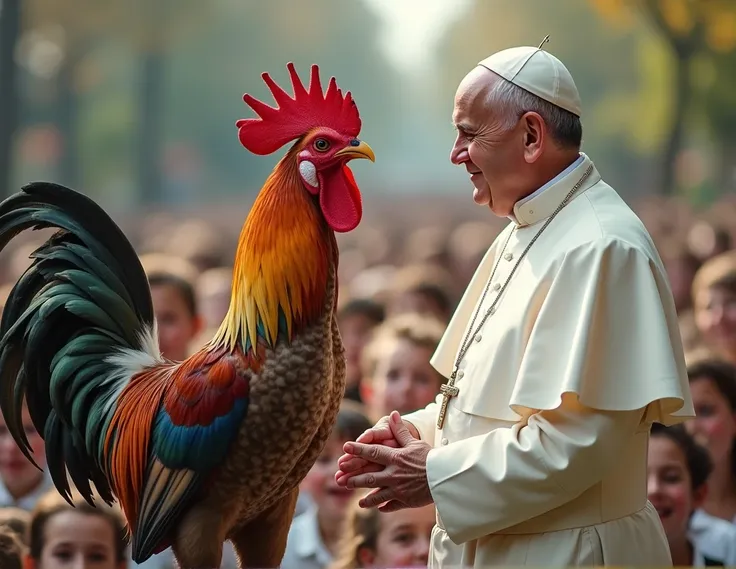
(462, 126)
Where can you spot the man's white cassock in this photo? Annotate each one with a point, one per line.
(542, 456)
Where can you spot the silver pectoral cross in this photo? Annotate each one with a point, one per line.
(448, 390)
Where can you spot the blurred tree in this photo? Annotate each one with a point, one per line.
(83, 29)
(718, 87)
(156, 29)
(718, 106)
(688, 28)
(10, 22)
(75, 28)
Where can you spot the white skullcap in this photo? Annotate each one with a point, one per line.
(538, 72)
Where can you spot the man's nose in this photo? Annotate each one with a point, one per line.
(459, 153)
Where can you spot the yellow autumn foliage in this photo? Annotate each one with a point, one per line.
(619, 13)
(678, 15)
(721, 28)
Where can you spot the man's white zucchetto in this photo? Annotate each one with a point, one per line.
(538, 72)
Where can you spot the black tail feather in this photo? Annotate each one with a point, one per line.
(84, 297)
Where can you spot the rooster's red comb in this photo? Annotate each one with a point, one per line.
(294, 117)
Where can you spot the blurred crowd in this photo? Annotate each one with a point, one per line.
(398, 289)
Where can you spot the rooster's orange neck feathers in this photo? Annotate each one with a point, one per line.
(281, 266)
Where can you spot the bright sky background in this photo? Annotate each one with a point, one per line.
(412, 28)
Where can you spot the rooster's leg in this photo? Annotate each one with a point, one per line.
(199, 539)
(262, 542)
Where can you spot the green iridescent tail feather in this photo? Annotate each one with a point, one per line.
(84, 298)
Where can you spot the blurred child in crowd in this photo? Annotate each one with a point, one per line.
(678, 470)
(356, 320)
(397, 374)
(714, 304)
(713, 390)
(377, 540)
(177, 317)
(11, 550)
(16, 521)
(21, 483)
(81, 537)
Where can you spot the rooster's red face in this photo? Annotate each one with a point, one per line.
(326, 125)
(322, 163)
(323, 150)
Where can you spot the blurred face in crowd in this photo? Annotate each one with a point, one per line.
(404, 379)
(669, 488)
(495, 156)
(403, 539)
(355, 330)
(714, 426)
(680, 273)
(18, 475)
(418, 303)
(73, 540)
(331, 500)
(214, 305)
(715, 317)
(177, 326)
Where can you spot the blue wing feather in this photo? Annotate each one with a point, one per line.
(200, 415)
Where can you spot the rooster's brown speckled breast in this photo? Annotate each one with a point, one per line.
(293, 406)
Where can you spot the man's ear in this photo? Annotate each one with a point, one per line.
(535, 134)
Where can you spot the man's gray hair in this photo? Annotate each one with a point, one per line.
(510, 102)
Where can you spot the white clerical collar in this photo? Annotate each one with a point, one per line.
(542, 203)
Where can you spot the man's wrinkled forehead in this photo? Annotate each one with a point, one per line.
(471, 95)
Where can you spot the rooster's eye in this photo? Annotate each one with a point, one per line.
(321, 144)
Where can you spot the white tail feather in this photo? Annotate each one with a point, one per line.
(129, 362)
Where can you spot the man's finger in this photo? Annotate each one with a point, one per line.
(376, 434)
(377, 497)
(399, 430)
(341, 477)
(350, 463)
(369, 480)
(392, 506)
(379, 454)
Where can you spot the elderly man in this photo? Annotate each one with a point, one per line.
(563, 351)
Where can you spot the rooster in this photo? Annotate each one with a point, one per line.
(211, 448)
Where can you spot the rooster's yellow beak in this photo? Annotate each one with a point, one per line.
(357, 149)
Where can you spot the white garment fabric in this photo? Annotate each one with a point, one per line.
(542, 456)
